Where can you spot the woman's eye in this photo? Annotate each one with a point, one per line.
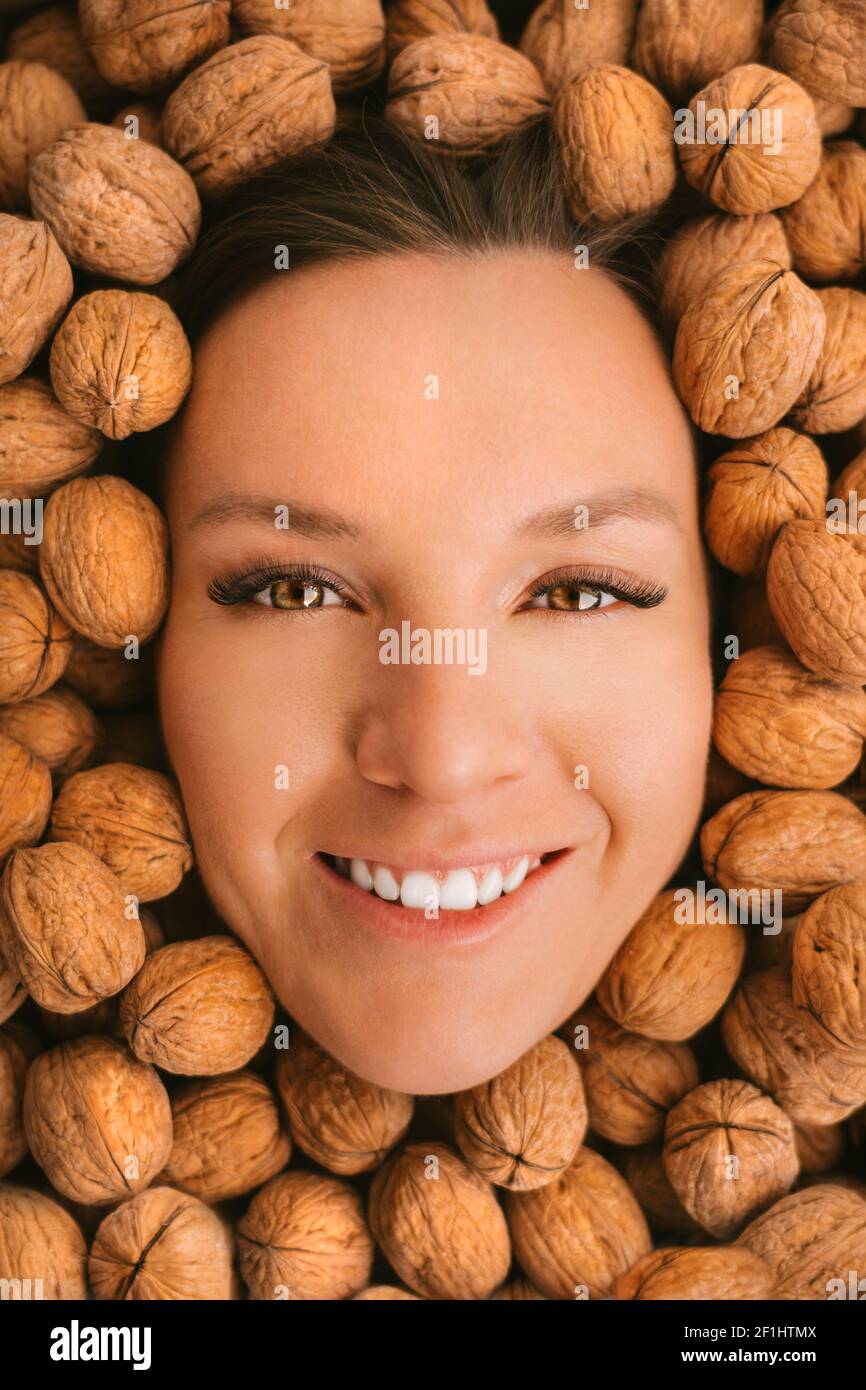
(572, 598)
(293, 594)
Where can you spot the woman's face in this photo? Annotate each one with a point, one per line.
(456, 447)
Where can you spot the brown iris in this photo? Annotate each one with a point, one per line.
(567, 595)
(296, 593)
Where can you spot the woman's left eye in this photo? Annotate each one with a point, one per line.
(572, 598)
(290, 595)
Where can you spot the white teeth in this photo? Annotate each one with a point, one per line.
(418, 890)
(516, 877)
(385, 884)
(459, 890)
(360, 874)
(491, 887)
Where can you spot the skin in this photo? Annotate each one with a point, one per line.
(310, 390)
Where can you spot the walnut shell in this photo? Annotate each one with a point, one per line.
(53, 37)
(828, 976)
(754, 488)
(17, 554)
(409, 20)
(463, 92)
(646, 1176)
(118, 207)
(522, 1128)
(228, 1137)
(13, 1072)
(198, 1008)
(133, 819)
(140, 120)
(97, 1119)
(565, 40)
(439, 1224)
(704, 246)
(304, 1237)
(630, 1081)
(823, 43)
(161, 1244)
(684, 1272)
(348, 35)
(57, 726)
(680, 45)
(40, 445)
(834, 397)
(36, 106)
(104, 559)
(342, 1121)
(746, 348)
(751, 618)
(669, 978)
(819, 1147)
(826, 227)
(809, 1238)
(99, 1018)
(579, 1232)
(833, 117)
(616, 134)
(251, 105)
(36, 287)
(121, 362)
(107, 678)
(729, 1152)
(816, 589)
(800, 842)
(755, 163)
(146, 44)
(34, 639)
(781, 724)
(25, 797)
(518, 1289)
(384, 1293)
(40, 1242)
(12, 991)
(763, 1030)
(65, 926)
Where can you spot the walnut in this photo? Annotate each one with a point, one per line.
(751, 617)
(577, 1234)
(522, 1128)
(162, 1244)
(800, 842)
(36, 287)
(833, 117)
(16, 554)
(118, 207)
(66, 928)
(781, 724)
(25, 797)
(133, 738)
(834, 397)
(565, 40)
(756, 487)
(98, 1120)
(145, 44)
(40, 1245)
(763, 1030)
(757, 162)
(198, 1008)
(342, 1121)
(670, 976)
(819, 1147)
(745, 348)
(518, 1288)
(646, 1176)
(408, 20)
(439, 1224)
(104, 559)
(34, 639)
(777, 949)
(107, 678)
(133, 819)
(702, 247)
(696, 1272)
(121, 362)
(228, 1137)
(57, 726)
(13, 1072)
(53, 37)
(348, 35)
(36, 106)
(12, 991)
(384, 1293)
(630, 1081)
(140, 120)
(816, 589)
(463, 92)
(616, 134)
(823, 43)
(828, 976)
(304, 1237)
(251, 105)
(40, 445)
(98, 1018)
(826, 227)
(723, 783)
(680, 45)
(729, 1152)
(809, 1238)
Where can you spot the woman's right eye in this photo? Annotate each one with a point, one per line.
(291, 595)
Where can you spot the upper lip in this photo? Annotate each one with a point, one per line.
(429, 859)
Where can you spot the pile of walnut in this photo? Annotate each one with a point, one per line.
(697, 1129)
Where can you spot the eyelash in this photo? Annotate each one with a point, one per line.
(241, 586)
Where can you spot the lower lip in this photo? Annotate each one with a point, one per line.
(449, 928)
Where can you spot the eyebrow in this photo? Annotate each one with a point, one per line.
(554, 523)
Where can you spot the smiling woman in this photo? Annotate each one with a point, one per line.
(425, 401)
